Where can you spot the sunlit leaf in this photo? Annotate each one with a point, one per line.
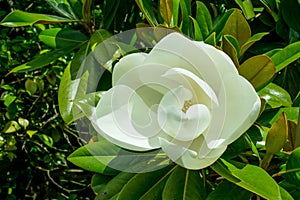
(204, 19)
(258, 70)
(21, 18)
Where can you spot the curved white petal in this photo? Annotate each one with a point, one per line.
(178, 124)
(202, 92)
(114, 120)
(189, 158)
(126, 64)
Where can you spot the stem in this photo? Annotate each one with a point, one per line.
(266, 160)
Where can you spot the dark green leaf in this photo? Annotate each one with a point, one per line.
(290, 13)
(63, 7)
(147, 9)
(228, 191)
(251, 41)
(184, 184)
(293, 163)
(44, 59)
(204, 19)
(220, 24)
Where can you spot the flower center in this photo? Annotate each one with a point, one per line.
(186, 105)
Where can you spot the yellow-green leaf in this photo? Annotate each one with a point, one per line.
(166, 10)
(238, 27)
(258, 70)
(230, 46)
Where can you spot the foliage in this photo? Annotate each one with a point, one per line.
(260, 36)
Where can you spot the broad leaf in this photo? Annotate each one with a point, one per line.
(59, 38)
(186, 11)
(251, 178)
(21, 18)
(220, 24)
(238, 27)
(258, 70)
(146, 186)
(99, 181)
(247, 8)
(252, 40)
(231, 47)
(147, 10)
(184, 184)
(197, 31)
(275, 96)
(293, 163)
(63, 7)
(45, 59)
(69, 90)
(228, 191)
(286, 56)
(204, 19)
(290, 13)
(107, 158)
(166, 10)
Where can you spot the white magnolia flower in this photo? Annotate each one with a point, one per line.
(185, 97)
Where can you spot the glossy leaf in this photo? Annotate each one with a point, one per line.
(221, 23)
(186, 11)
(275, 96)
(238, 27)
(290, 13)
(228, 191)
(147, 10)
(107, 158)
(293, 163)
(59, 38)
(197, 31)
(252, 40)
(63, 8)
(231, 47)
(184, 184)
(204, 19)
(69, 90)
(286, 56)
(146, 186)
(110, 12)
(99, 181)
(247, 8)
(251, 178)
(258, 70)
(44, 59)
(114, 186)
(292, 114)
(166, 10)
(21, 18)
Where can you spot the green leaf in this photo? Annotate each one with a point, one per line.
(186, 12)
(105, 157)
(44, 59)
(146, 186)
(252, 40)
(109, 12)
(290, 13)
(238, 27)
(258, 70)
(46, 139)
(114, 186)
(211, 39)
(11, 127)
(251, 178)
(293, 163)
(21, 18)
(59, 38)
(231, 47)
(247, 8)
(31, 86)
(62, 7)
(99, 182)
(286, 56)
(166, 10)
(68, 91)
(275, 96)
(197, 31)
(146, 8)
(228, 191)
(220, 24)
(175, 12)
(184, 184)
(292, 114)
(203, 18)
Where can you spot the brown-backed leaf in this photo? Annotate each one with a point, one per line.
(258, 70)
(166, 10)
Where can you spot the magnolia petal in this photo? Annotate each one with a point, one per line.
(177, 124)
(177, 51)
(242, 106)
(114, 120)
(126, 64)
(204, 93)
(188, 158)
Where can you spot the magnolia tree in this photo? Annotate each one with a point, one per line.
(194, 103)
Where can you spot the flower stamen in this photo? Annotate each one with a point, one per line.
(186, 105)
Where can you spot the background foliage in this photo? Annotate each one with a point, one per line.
(43, 46)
